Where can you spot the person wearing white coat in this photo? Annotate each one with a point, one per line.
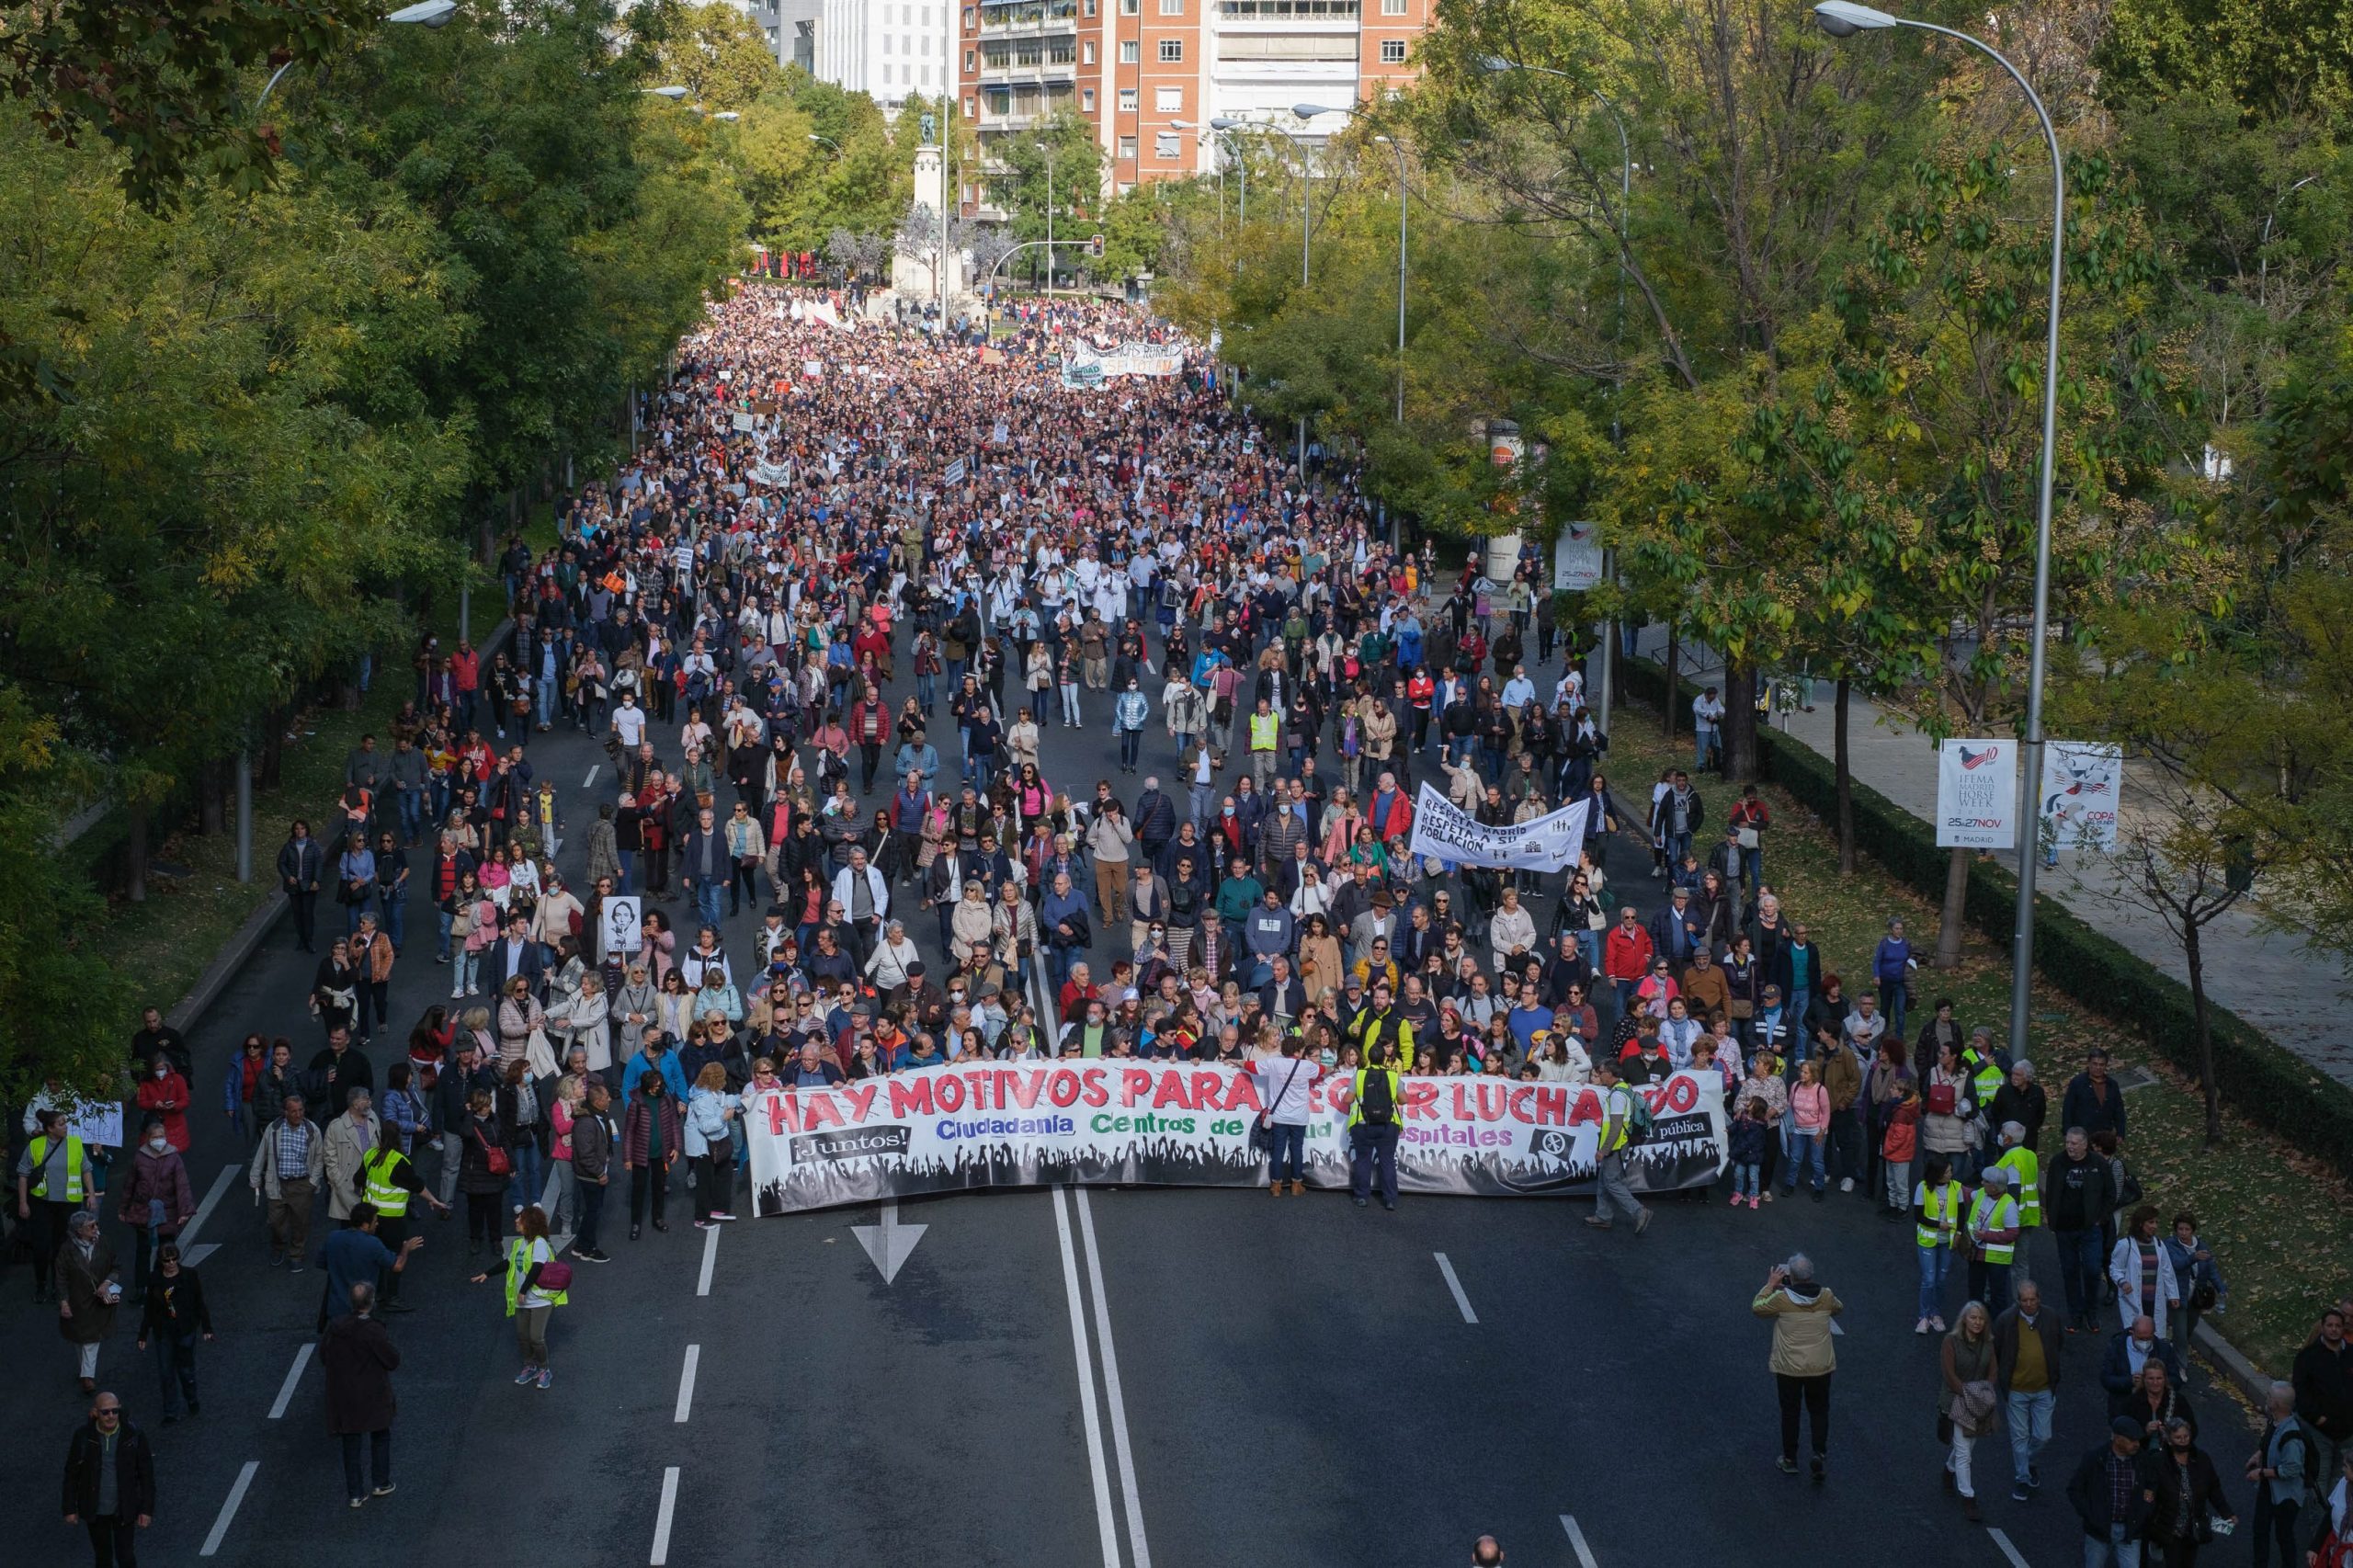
(2139, 1255)
(585, 1020)
(866, 921)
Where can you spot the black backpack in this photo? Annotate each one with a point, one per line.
(1378, 1108)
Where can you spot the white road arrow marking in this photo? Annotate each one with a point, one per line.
(890, 1243)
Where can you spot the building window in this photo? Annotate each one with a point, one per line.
(1086, 100)
(1127, 101)
(971, 19)
(968, 61)
(1168, 100)
(1128, 147)
(1090, 7)
(1165, 145)
(971, 109)
(1130, 51)
(1130, 7)
(1392, 7)
(1393, 51)
(1172, 51)
(1086, 52)
(1172, 8)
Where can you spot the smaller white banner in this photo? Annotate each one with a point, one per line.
(1576, 558)
(2082, 782)
(1548, 843)
(1977, 794)
(624, 920)
(99, 1122)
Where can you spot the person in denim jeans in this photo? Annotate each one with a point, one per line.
(2193, 1267)
(1937, 1205)
(1283, 1086)
(1809, 1128)
(2027, 1344)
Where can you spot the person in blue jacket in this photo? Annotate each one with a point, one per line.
(1892, 967)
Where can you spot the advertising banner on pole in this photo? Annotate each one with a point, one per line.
(1548, 843)
(1576, 558)
(2081, 784)
(1133, 1123)
(1977, 794)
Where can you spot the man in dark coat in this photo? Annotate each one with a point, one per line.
(360, 1360)
(109, 1482)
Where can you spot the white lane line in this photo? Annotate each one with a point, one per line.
(1455, 1285)
(188, 1253)
(710, 1260)
(293, 1376)
(1576, 1540)
(1086, 1385)
(228, 1509)
(662, 1520)
(1141, 1553)
(2007, 1550)
(687, 1385)
(592, 777)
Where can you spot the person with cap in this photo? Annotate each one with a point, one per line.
(1991, 1229)
(2110, 1503)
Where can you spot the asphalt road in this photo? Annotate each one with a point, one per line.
(1115, 1377)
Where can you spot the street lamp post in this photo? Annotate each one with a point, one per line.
(1842, 19)
(1306, 230)
(1308, 111)
(1494, 65)
(424, 13)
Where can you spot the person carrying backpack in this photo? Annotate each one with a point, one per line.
(1375, 1110)
(1625, 1122)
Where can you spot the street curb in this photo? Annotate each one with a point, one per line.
(2252, 1379)
(240, 948)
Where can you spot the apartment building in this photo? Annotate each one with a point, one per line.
(1136, 68)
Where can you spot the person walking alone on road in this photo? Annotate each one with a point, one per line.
(110, 1482)
(171, 1317)
(1803, 1359)
(1374, 1104)
(359, 1358)
(1620, 1110)
(1967, 1406)
(536, 1285)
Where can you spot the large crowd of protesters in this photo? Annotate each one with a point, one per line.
(822, 625)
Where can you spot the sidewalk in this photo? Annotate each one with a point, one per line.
(2268, 978)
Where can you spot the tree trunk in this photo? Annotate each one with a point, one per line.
(2193, 950)
(1740, 724)
(1674, 680)
(1843, 764)
(212, 786)
(1955, 910)
(135, 855)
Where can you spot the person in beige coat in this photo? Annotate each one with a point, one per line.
(350, 1138)
(1804, 1357)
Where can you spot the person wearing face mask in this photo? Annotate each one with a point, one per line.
(163, 1092)
(2185, 1498)
(157, 1199)
(172, 1317)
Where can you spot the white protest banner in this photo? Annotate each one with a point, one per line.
(97, 1122)
(1576, 558)
(745, 422)
(953, 473)
(624, 920)
(1977, 794)
(2081, 785)
(1547, 844)
(771, 473)
(813, 369)
(1128, 1122)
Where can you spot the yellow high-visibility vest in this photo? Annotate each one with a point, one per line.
(1262, 730)
(72, 1168)
(389, 1198)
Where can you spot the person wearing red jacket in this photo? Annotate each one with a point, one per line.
(164, 1092)
(1626, 957)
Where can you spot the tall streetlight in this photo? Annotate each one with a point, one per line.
(1308, 111)
(2263, 265)
(1227, 128)
(1306, 229)
(825, 141)
(1842, 19)
(674, 92)
(424, 13)
(1219, 128)
(1495, 65)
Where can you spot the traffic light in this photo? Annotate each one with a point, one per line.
(1095, 244)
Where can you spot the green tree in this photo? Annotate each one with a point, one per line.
(714, 50)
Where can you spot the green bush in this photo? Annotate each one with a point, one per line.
(2260, 1080)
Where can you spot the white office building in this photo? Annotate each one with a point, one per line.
(887, 49)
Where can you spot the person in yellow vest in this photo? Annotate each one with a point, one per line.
(1936, 1203)
(1611, 1147)
(1993, 1230)
(1376, 1112)
(388, 1179)
(53, 1178)
(2026, 1174)
(536, 1285)
(1265, 729)
(1984, 1077)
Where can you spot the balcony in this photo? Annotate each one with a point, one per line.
(1029, 18)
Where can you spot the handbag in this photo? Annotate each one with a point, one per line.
(1747, 838)
(556, 1278)
(494, 1158)
(1262, 1135)
(1941, 1098)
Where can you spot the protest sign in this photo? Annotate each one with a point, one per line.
(1576, 558)
(2081, 784)
(624, 923)
(1548, 843)
(1128, 1122)
(97, 1122)
(953, 473)
(1977, 795)
(744, 422)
